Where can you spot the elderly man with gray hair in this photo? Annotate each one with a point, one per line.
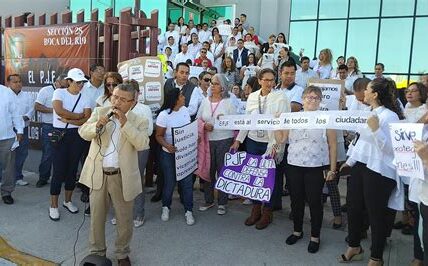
(43, 105)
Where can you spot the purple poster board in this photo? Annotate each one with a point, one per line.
(247, 175)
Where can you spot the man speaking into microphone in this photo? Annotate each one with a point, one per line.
(111, 168)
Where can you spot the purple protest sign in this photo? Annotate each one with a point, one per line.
(247, 175)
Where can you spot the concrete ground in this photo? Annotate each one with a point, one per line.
(213, 240)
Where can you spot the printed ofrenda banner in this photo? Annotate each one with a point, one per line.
(344, 120)
(247, 175)
(407, 162)
(185, 139)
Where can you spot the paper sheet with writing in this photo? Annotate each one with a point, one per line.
(407, 162)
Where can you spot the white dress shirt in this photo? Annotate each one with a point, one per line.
(111, 158)
(302, 77)
(25, 105)
(194, 49)
(44, 97)
(204, 36)
(174, 34)
(10, 117)
(182, 58)
(196, 100)
(91, 93)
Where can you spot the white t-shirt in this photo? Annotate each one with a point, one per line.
(294, 94)
(68, 100)
(174, 119)
(44, 97)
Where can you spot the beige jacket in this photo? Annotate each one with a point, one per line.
(133, 138)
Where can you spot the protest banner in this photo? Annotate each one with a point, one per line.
(247, 175)
(185, 139)
(407, 162)
(147, 71)
(345, 120)
(331, 90)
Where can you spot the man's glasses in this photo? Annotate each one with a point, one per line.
(120, 99)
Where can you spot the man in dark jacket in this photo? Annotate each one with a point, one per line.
(181, 81)
(240, 55)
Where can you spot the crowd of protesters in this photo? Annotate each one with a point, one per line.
(236, 73)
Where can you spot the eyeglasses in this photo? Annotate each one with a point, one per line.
(111, 85)
(80, 82)
(206, 79)
(313, 99)
(120, 99)
(203, 52)
(410, 91)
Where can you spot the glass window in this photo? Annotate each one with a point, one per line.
(331, 34)
(398, 7)
(364, 8)
(420, 41)
(422, 8)
(333, 9)
(304, 9)
(302, 36)
(362, 39)
(394, 44)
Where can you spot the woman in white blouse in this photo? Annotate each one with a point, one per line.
(414, 111)
(309, 151)
(249, 70)
(217, 49)
(211, 108)
(323, 65)
(259, 142)
(373, 180)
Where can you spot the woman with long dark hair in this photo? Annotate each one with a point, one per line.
(111, 80)
(373, 177)
(172, 114)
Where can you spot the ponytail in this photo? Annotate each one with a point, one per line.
(386, 95)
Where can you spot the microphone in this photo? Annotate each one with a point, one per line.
(109, 115)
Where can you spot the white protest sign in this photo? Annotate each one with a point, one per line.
(345, 120)
(331, 90)
(153, 91)
(224, 29)
(407, 162)
(137, 73)
(185, 139)
(152, 68)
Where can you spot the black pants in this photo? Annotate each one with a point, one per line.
(372, 189)
(424, 214)
(279, 181)
(66, 156)
(306, 183)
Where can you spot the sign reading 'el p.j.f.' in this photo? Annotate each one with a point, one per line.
(40, 54)
(247, 175)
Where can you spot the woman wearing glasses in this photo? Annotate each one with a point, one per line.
(215, 105)
(199, 93)
(259, 142)
(70, 110)
(309, 151)
(111, 80)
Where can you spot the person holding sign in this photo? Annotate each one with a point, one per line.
(308, 151)
(172, 114)
(212, 107)
(373, 175)
(259, 142)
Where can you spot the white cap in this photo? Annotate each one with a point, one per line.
(76, 74)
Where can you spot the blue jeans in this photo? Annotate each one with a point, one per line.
(46, 161)
(21, 154)
(167, 164)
